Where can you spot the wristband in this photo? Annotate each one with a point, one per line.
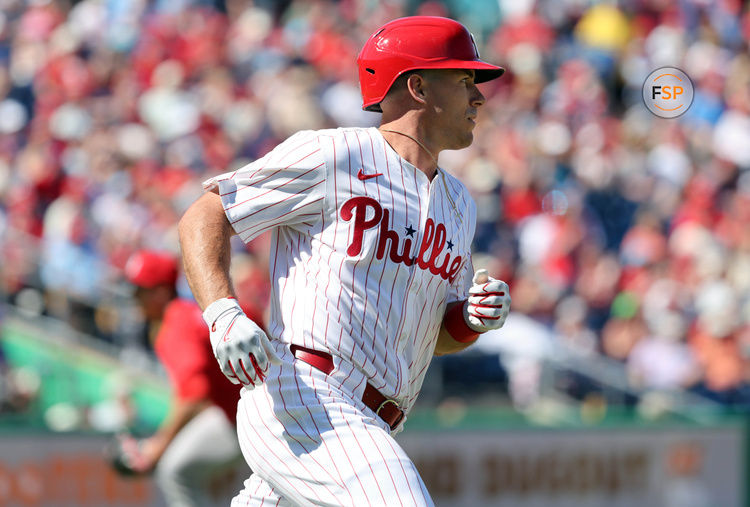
(218, 308)
(456, 325)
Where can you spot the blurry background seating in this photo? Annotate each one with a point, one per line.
(624, 237)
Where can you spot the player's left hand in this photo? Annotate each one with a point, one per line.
(488, 304)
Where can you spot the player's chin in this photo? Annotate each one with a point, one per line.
(464, 140)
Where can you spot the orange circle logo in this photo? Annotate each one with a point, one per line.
(668, 92)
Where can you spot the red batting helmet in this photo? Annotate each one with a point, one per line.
(147, 269)
(412, 43)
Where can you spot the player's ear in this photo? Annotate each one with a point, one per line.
(416, 85)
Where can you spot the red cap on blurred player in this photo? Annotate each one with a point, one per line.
(148, 268)
(413, 43)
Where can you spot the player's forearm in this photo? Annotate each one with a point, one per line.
(446, 343)
(204, 238)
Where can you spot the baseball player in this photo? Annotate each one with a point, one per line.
(195, 449)
(371, 276)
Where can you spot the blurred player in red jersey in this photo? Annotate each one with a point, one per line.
(195, 448)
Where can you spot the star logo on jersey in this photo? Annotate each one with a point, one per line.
(410, 231)
(363, 177)
(450, 245)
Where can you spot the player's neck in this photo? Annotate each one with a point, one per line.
(407, 142)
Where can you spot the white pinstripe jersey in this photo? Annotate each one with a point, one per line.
(366, 251)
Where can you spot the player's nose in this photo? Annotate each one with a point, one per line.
(477, 99)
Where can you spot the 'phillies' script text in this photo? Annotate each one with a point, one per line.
(434, 236)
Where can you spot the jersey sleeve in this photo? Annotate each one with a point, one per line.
(285, 187)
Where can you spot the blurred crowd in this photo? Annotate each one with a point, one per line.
(626, 235)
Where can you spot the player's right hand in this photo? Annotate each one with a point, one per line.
(241, 347)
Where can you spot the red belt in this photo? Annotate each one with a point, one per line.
(386, 408)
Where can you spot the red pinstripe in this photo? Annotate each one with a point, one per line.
(286, 410)
(287, 182)
(375, 445)
(262, 226)
(413, 269)
(382, 384)
(255, 183)
(394, 351)
(341, 286)
(335, 229)
(269, 159)
(403, 471)
(269, 224)
(261, 456)
(341, 265)
(365, 456)
(279, 202)
(274, 301)
(254, 492)
(421, 314)
(315, 301)
(312, 380)
(419, 375)
(227, 178)
(282, 292)
(287, 433)
(372, 259)
(258, 182)
(419, 357)
(359, 480)
(354, 267)
(356, 263)
(293, 254)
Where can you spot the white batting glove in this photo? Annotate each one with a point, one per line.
(488, 304)
(240, 346)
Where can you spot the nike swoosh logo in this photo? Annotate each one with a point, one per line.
(362, 176)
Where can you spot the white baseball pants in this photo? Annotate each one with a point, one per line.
(311, 441)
